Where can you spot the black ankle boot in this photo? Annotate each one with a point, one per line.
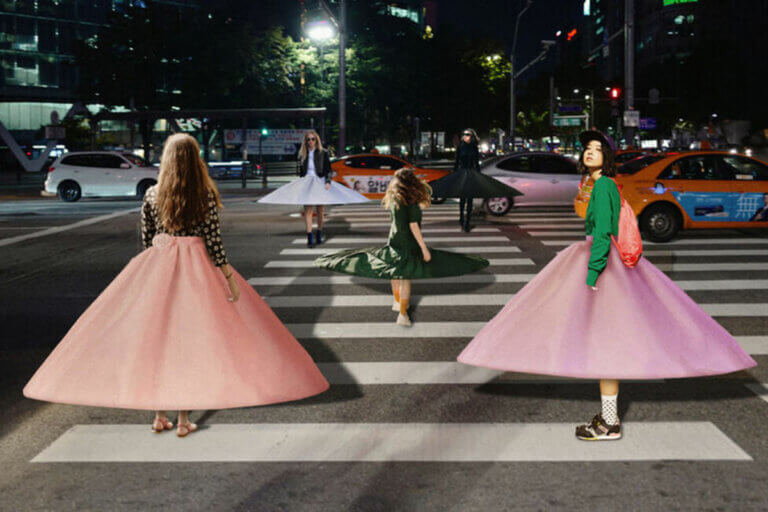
(319, 237)
(310, 244)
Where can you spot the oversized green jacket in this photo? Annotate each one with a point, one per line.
(601, 222)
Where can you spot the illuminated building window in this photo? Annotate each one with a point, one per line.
(401, 12)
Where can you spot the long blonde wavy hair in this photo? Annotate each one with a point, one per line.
(183, 185)
(406, 188)
(303, 151)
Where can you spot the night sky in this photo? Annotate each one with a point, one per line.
(496, 18)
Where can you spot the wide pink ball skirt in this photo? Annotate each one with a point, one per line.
(163, 336)
(637, 325)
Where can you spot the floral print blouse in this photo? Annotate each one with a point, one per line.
(209, 229)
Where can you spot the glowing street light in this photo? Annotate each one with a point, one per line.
(320, 30)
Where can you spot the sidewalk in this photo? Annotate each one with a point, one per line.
(22, 185)
(29, 185)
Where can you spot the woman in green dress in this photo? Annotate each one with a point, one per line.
(405, 256)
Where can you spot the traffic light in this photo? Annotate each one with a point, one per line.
(264, 132)
(615, 93)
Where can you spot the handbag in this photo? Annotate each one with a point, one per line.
(629, 243)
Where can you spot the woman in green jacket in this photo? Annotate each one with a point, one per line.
(588, 315)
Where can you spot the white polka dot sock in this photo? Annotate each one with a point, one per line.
(610, 408)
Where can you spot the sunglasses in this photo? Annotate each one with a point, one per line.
(467, 134)
(311, 138)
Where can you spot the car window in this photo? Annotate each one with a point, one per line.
(555, 165)
(626, 157)
(135, 160)
(108, 161)
(518, 163)
(743, 168)
(702, 167)
(361, 162)
(387, 163)
(79, 160)
(638, 164)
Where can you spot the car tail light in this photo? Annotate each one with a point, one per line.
(51, 169)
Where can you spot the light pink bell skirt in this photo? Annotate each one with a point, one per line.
(163, 336)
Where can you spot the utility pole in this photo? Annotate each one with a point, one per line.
(629, 64)
(512, 75)
(341, 26)
(342, 78)
(551, 104)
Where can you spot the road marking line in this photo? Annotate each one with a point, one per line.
(60, 229)
(38, 227)
(687, 285)
(699, 267)
(336, 279)
(434, 372)
(466, 299)
(754, 345)
(384, 442)
(760, 389)
(579, 228)
(543, 220)
(724, 284)
(435, 239)
(462, 249)
(424, 228)
(380, 330)
(706, 252)
(576, 232)
(685, 241)
(310, 263)
(315, 301)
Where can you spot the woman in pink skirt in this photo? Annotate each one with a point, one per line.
(587, 315)
(178, 328)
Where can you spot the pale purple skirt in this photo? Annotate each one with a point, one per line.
(638, 325)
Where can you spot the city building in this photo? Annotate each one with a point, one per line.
(38, 74)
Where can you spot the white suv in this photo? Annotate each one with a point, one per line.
(99, 174)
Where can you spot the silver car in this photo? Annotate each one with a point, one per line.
(544, 178)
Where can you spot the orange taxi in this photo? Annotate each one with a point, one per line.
(696, 190)
(370, 174)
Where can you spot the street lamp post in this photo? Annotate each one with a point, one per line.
(340, 24)
(512, 75)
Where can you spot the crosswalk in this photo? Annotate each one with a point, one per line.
(337, 316)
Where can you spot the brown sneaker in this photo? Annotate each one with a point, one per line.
(599, 430)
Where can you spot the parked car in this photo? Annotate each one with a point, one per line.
(697, 190)
(544, 179)
(99, 174)
(370, 174)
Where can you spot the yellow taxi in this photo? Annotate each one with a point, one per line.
(370, 174)
(695, 190)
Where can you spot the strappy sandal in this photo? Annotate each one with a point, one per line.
(160, 425)
(188, 426)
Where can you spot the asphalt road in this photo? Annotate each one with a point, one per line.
(403, 427)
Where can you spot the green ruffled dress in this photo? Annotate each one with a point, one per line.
(401, 258)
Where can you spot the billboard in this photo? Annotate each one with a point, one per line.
(277, 142)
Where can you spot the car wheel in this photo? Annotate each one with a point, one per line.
(142, 188)
(498, 206)
(660, 222)
(69, 191)
(438, 200)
